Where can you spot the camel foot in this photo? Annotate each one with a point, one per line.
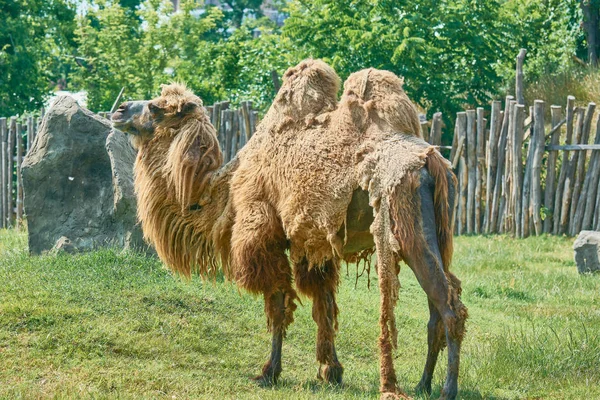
(394, 396)
(269, 375)
(331, 373)
(423, 387)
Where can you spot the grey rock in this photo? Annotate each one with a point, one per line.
(78, 183)
(587, 251)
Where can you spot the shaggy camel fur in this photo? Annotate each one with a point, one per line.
(322, 180)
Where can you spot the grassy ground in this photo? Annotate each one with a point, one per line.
(112, 325)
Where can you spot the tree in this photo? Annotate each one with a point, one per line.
(36, 39)
(591, 24)
(239, 7)
(447, 51)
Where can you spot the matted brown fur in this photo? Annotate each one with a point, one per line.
(290, 189)
(175, 169)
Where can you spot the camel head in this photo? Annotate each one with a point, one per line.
(378, 97)
(175, 137)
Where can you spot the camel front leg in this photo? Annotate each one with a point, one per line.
(275, 310)
(320, 284)
(261, 266)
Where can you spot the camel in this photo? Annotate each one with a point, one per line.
(320, 181)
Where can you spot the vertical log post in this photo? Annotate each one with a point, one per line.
(19, 140)
(492, 162)
(517, 167)
(29, 133)
(3, 173)
(570, 116)
(550, 189)
(506, 201)
(436, 129)
(472, 166)
(226, 121)
(526, 197)
(538, 138)
(496, 214)
(591, 182)
(461, 125)
(480, 167)
(10, 155)
(235, 132)
(425, 131)
(519, 78)
(570, 176)
(579, 165)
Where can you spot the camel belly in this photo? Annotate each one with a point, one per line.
(359, 218)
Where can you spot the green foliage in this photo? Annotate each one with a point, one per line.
(447, 51)
(155, 46)
(35, 38)
(551, 33)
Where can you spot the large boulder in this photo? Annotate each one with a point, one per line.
(78, 183)
(587, 251)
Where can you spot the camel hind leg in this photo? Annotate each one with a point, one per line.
(442, 289)
(261, 266)
(320, 284)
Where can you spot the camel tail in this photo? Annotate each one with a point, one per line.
(445, 189)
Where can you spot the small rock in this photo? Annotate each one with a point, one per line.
(587, 252)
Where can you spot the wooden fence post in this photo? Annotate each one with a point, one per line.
(10, 153)
(551, 169)
(480, 167)
(235, 133)
(538, 139)
(591, 186)
(558, 198)
(425, 131)
(517, 167)
(436, 129)
(519, 77)
(461, 125)
(472, 166)
(570, 176)
(19, 140)
(496, 214)
(579, 164)
(3, 172)
(492, 162)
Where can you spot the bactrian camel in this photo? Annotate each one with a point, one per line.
(320, 181)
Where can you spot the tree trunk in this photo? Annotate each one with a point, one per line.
(591, 19)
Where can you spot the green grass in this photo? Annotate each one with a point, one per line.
(117, 325)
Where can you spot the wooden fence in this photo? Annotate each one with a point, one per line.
(516, 177)
(517, 174)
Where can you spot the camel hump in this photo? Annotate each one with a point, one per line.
(380, 93)
(309, 88)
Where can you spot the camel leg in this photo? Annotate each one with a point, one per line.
(261, 266)
(443, 291)
(435, 343)
(388, 287)
(320, 284)
(436, 339)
